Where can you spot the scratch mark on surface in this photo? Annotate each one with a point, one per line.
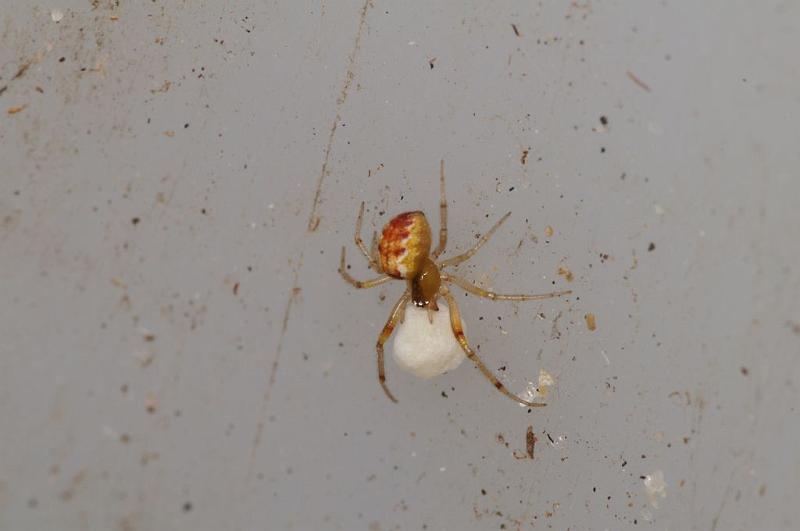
(638, 81)
(313, 218)
(555, 333)
(715, 521)
(293, 293)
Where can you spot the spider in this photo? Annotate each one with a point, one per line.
(404, 253)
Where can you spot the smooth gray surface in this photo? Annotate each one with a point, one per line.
(177, 350)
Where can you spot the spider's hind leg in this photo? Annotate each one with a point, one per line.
(474, 249)
(480, 292)
(373, 263)
(360, 283)
(442, 215)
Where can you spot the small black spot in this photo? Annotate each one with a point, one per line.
(604, 120)
(135, 221)
(651, 247)
(187, 507)
(186, 126)
(62, 59)
(444, 395)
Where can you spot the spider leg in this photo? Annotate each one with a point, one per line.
(458, 331)
(373, 264)
(360, 283)
(480, 292)
(442, 215)
(397, 315)
(373, 248)
(467, 255)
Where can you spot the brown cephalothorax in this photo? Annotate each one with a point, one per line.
(404, 252)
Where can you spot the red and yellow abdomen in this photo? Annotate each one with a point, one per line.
(405, 244)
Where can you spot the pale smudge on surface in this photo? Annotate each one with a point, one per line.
(655, 487)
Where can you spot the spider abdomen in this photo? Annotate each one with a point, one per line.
(405, 244)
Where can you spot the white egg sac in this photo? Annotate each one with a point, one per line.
(424, 349)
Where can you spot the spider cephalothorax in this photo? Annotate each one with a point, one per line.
(404, 252)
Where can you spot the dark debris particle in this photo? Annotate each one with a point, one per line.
(135, 221)
(186, 126)
(187, 507)
(444, 395)
(604, 120)
(62, 59)
(745, 371)
(651, 247)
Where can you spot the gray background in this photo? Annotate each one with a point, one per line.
(177, 350)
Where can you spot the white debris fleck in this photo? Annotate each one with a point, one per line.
(529, 394)
(424, 349)
(655, 487)
(658, 209)
(546, 381)
(538, 390)
(56, 15)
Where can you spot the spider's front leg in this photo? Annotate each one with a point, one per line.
(398, 312)
(458, 331)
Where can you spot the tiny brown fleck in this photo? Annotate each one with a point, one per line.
(530, 441)
(566, 273)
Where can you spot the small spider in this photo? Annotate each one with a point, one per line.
(404, 253)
